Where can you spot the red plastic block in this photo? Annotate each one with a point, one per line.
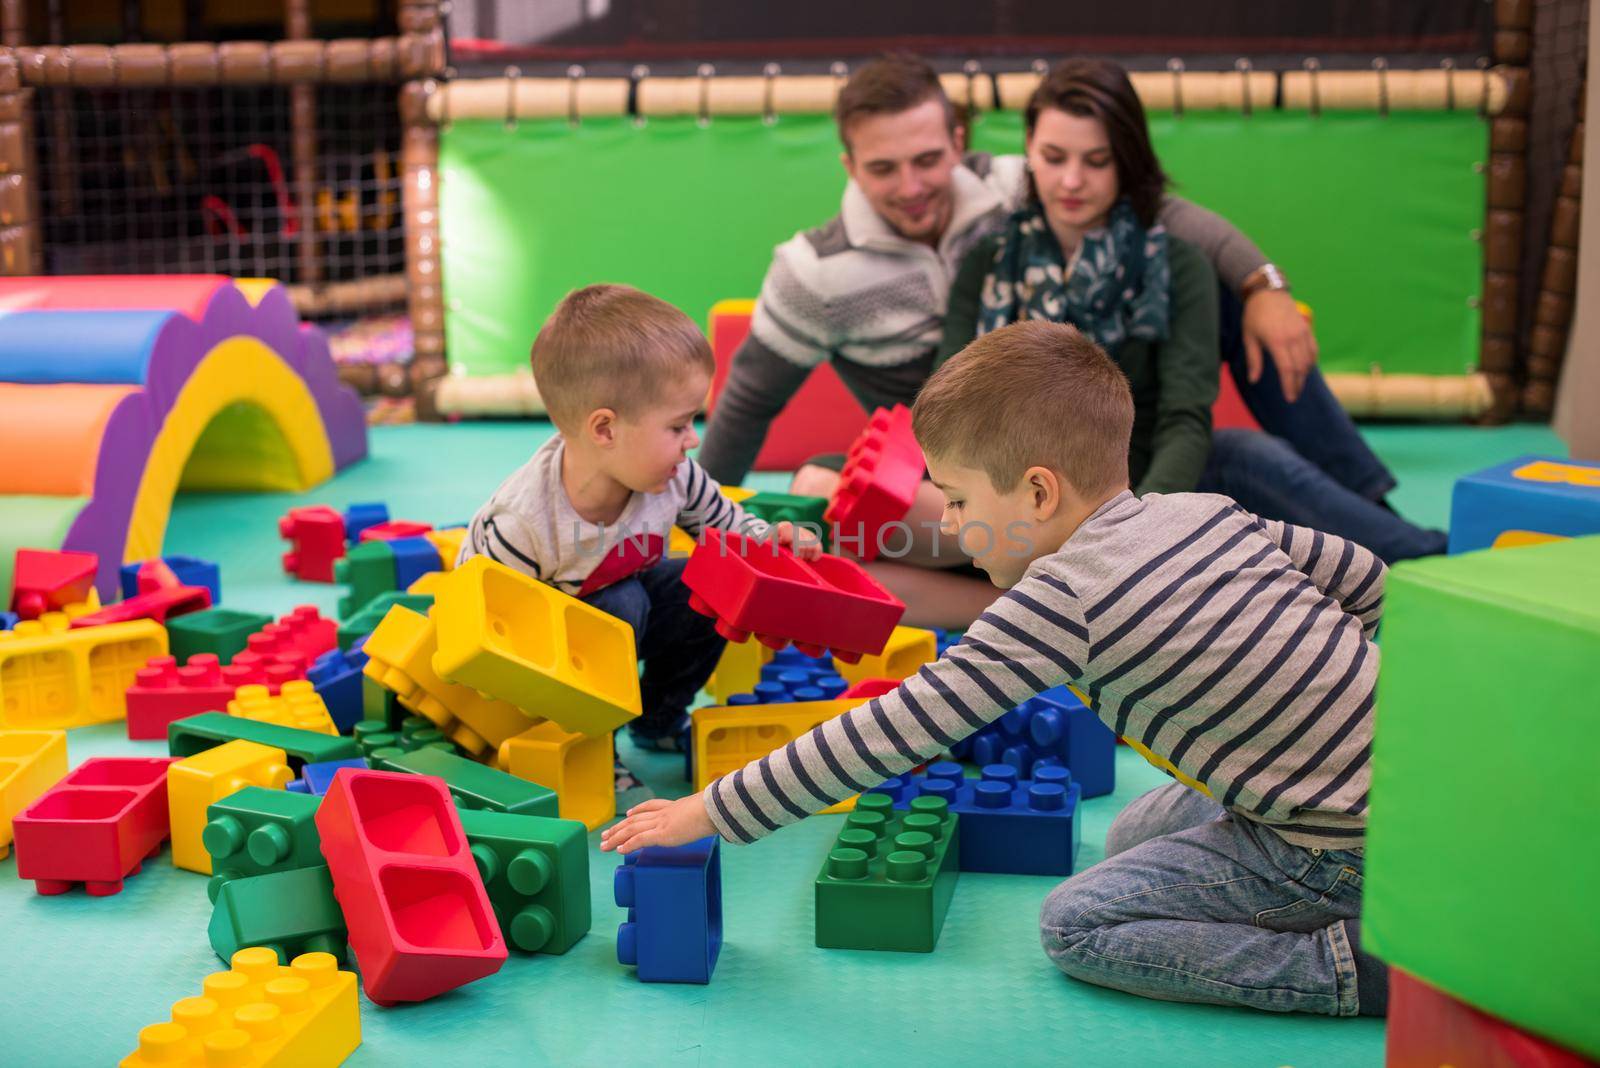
(162, 692)
(43, 580)
(760, 588)
(1428, 1028)
(155, 575)
(867, 689)
(96, 827)
(317, 536)
(271, 670)
(157, 605)
(302, 631)
(395, 528)
(420, 921)
(878, 482)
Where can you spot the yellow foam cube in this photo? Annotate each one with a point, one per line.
(400, 654)
(195, 782)
(298, 705)
(727, 738)
(577, 767)
(53, 677)
(907, 649)
(260, 1014)
(448, 542)
(516, 639)
(30, 763)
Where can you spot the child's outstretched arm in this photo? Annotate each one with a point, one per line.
(1340, 568)
(1031, 639)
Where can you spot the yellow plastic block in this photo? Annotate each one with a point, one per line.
(400, 657)
(738, 670)
(514, 638)
(726, 739)
(907, 650)
(30, 763)
(197, 781)
(53, 677)
(260, 1014)
(297, 705)
(448, 542)
(577, 767)
(428, 583)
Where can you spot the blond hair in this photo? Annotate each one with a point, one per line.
(613, 346)
(1032, 394)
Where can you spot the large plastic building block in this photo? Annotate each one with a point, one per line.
(354, 629)
(316, 537)
(297, 706)
(1525, 501)
(196, 734)
(30, 763)
(401, 657)
(358, 517)
(337, 678)
(787, 508)
(162, 692)
(195, 782)
(889, 876)
(1428, 1028)
(143, 575)
(1456, 630)
(420, 920)
(762, 589)
(394, 529)
(474, 785)
(516, 639)
(413, 558)
(368, 570)
(1010, 826)
(97, 826)
(158, 604)
(673, 933)
(260, 1014)
(43, 580)
(907, 649)
(52, 676)
(316, 778)
(1054, 728)
(726, 739)
(302, 631)
(877, 485)
(578, 767)
(447, 543)
(536, 872)
(259, 830)
(290, 912)
(222, 632)
(867, 689)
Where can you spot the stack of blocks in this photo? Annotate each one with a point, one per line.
(673, 933)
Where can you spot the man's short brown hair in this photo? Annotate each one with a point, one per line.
(888, 85)
(611, 346)
(1032, 394)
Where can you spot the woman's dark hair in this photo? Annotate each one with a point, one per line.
(1098, 88)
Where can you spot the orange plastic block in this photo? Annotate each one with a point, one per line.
(195, 782)
(30, 763)
(907, 650)
(260, 1014)
(400, 657)
(578, 767)
(297, 705)
(54, 676)
(726, 739)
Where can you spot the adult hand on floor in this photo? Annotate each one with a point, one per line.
(659, 822)
(1272, 320)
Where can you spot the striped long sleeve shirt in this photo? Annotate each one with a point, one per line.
(1236, 648)
(530, 525)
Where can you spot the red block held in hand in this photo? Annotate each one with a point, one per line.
(878, 483)
(317, 535)
(96, 827)
(43, 580)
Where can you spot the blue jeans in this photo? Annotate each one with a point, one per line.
(1193, 904)
(678, 646)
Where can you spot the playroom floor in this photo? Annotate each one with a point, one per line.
(79, 975)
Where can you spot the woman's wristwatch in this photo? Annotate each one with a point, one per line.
(1263, 278)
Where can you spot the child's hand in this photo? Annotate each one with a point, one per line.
(802, 542)
(659, 822)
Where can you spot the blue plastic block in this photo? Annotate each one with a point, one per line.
(413, 558)
(299, 786)
(191, 571)
(1051, 729)
(316, 778)
(337, 678)
(674, 901)
(8, 620)
(358, 517)
(1528, 495)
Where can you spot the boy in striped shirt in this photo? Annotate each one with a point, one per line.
(1238, 652)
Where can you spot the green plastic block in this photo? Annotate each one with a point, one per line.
(379, 703)
(222, 631)
(196, 734)
(1481, 863)
(291, 912)
(368, 569)
(536, 871)
(473, 785)
(788, 508)
(888, 878)
(256, 831)
(366, 620)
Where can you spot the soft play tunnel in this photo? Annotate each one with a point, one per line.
(117, 392)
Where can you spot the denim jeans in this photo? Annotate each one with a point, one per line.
(678, 646)
(1194, 904)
